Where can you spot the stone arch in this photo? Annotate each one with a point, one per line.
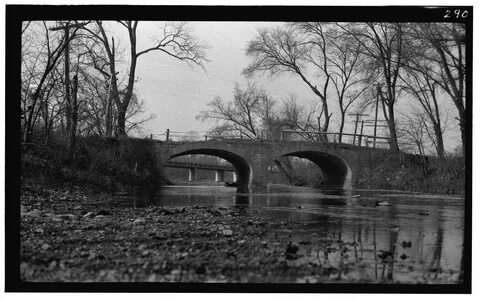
(244, 170)
(336, 171)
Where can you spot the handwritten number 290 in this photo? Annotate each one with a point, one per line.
(457, 14)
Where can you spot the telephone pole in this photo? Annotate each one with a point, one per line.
(356, 124)
(361, 135)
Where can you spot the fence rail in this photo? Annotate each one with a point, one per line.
(335, 137)
(283, 135)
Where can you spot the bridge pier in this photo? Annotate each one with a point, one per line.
(219, 176)
(192, 174)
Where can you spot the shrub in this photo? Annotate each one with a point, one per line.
(98, 162)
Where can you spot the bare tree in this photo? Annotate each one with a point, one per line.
(296, 117)
(250, 111)
(448, 41)
(280, 50)
(175, 40)
(347, 72)
(44, 62)
(135, 118)
(382, 43)
(419, 84)
(413, 132)
(95, 113)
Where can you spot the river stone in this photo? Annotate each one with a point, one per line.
(45, 246)
(56, 218)
(34, 213)
(227, 232)
(67, 216)
(89, 215)
(152, 278)
(139, 221)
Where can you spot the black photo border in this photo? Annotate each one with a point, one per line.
(15, 14)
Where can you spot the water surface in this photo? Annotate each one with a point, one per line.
(422, 233)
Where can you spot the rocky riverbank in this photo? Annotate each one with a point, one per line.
(76, 236)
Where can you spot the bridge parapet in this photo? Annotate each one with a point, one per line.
(282, 136)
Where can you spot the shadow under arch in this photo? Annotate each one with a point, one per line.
(244, 170)
(337, 173)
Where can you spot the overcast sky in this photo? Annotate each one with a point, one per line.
(176, 93)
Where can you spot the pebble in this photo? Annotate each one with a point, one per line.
(227, 232)
(56, 219)
(52, 265)
(34, 213)
(152, 278)
(139, 221)
(45, 246)
(67, 216)
(89, 215)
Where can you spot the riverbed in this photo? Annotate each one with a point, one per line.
(212, 234)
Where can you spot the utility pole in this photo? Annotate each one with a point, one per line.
(361, 135)
(356, 124)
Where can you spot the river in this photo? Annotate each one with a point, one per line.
(423, 234)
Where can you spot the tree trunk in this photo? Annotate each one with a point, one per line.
(74, 118)
(120, 130)
(342, 124)
(46, 121)
(67, 87)
(27, 134)
(391, 127)
(108, 117)
(108, 120)
(462, 122)
(439, 143)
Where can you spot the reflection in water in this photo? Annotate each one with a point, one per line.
(243, 200)
(415, 237)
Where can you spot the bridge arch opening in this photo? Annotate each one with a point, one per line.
(336, 172)
(243, 168)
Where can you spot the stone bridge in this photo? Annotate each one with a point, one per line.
(258, 163)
